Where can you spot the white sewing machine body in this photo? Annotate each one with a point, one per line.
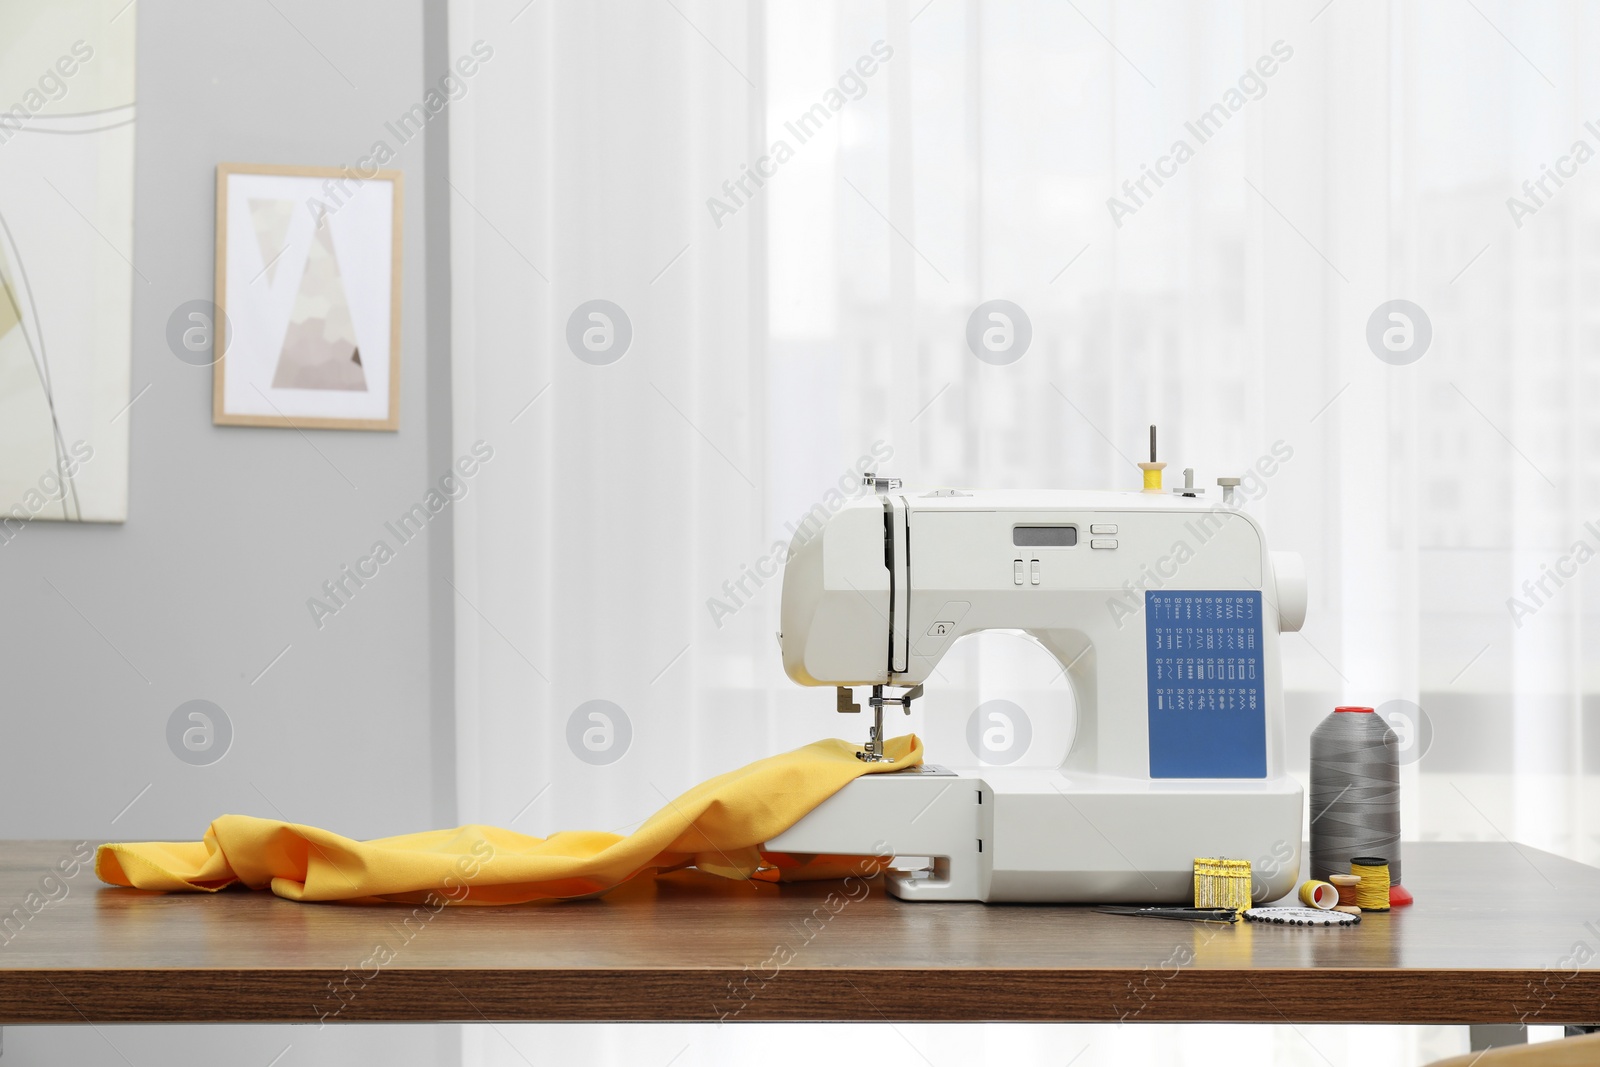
(1164, 611)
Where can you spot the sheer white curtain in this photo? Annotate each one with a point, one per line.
(620, 494)
(1339, 156)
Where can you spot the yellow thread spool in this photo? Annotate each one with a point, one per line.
(1373, 892)
(1221, 883)
(1152, 476)
(1319, 895)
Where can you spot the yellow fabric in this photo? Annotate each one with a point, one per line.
(718, 826)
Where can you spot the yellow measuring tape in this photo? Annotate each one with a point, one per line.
(1319, 895)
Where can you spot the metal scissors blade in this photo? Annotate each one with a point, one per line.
(1203, 915)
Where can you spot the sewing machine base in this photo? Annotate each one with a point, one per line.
(1040, 835)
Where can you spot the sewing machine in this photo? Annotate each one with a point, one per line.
(1164, 611)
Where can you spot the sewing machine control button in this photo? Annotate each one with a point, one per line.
(1016, 572)
(1103, 542)
(1103, 528)
(941, 629)
(1033, 571)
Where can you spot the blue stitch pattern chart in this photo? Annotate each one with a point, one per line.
(1207, 685)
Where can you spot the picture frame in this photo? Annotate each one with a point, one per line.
(307, 304)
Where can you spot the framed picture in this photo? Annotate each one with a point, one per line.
(67, 263)
(308, 298)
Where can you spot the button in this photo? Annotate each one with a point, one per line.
(932, 644)
(1033, 572)
(1103, 542)
(1016, 573)
(1103, 528)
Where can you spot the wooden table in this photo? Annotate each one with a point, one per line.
(695, 947)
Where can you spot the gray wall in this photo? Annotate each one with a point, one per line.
(231, 529)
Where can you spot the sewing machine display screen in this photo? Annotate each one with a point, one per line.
(1044, 536)
(1206, 683)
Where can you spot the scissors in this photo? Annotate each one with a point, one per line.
(1198, 915)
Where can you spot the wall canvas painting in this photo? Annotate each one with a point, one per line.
(308, 298)
(66, 260)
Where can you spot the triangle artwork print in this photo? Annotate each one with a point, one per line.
(319, 350)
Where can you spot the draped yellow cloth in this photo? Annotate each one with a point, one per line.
(718, 826)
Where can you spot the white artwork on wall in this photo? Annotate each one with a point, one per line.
(308, 288)
(66, 259)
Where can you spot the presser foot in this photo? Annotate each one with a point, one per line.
(873, 752)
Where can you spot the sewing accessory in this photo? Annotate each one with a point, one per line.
(1373, 892)
(1346, 885)
(1301, 917)
(1348, 909)
(1320, 895)
(1179, 742)
(1152, 470)
(1221, 883)
(1355, 794)
(1198, 915)
(872, 751)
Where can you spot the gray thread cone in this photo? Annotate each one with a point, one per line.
(1355, 793)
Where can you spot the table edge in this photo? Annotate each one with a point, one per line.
(1269, 995)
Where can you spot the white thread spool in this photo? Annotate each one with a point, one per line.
(1355, 792)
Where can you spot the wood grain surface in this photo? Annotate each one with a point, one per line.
(694, 947)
